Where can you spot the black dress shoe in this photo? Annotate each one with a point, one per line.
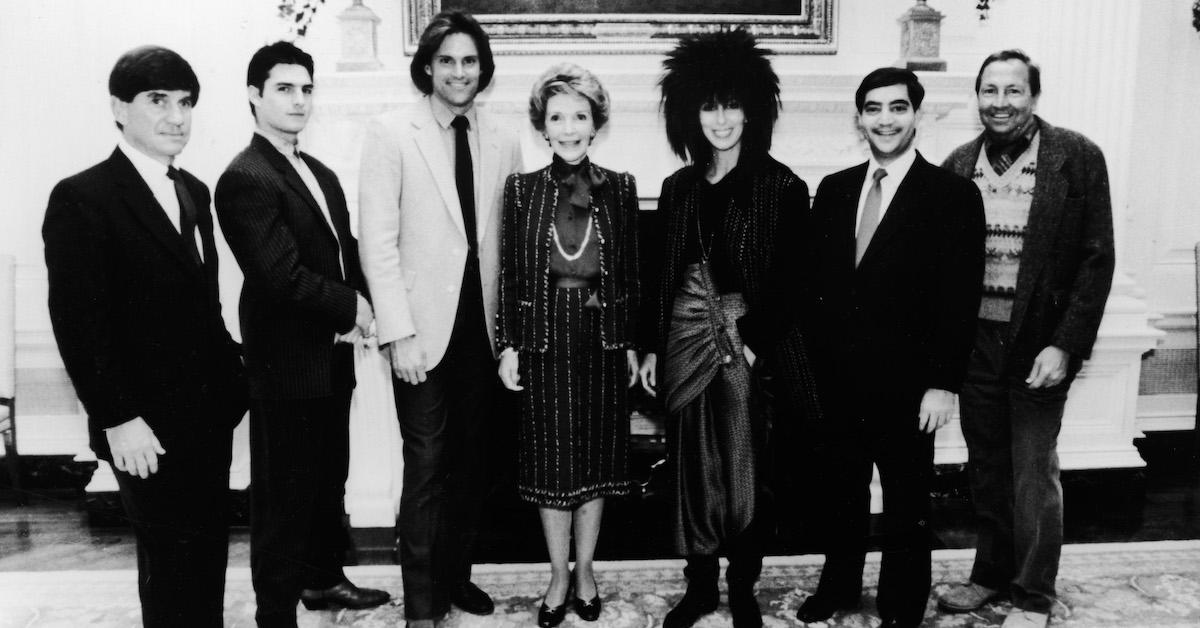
(551, 617)
(471, 599)
(820, 607)
(692, 607)
(589, 610)
(343, 594)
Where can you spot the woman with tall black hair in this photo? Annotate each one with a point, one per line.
(722, 312)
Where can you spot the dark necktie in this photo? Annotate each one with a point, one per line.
(187, 215)
(870, 216)
(464, 177)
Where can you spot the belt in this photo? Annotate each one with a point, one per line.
(573, 282)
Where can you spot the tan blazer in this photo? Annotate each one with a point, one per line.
(412, 241)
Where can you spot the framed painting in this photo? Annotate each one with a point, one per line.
(634, 26)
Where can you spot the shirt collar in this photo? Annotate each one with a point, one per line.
(151, 169)
(898, 168)
(288, 149)
(444, 116)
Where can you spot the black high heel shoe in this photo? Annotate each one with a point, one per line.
(589, 610)
(551, 617)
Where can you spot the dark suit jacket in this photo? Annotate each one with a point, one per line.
(530, 204)
(295, 298)
(138, 323)
(1067, 261)
(903, 321)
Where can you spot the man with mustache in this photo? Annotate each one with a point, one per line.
(1049, 269)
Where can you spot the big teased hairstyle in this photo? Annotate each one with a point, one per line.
(440, 27)
(713, 68)
(271, 55)
(1013, 54)
(568, 78)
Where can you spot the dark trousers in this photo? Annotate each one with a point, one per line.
(299, 458)
(904, 456)
(180, 520)
(745, 553)
(443, 422)
(1012, 439)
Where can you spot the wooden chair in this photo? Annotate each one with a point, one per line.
(8, 374)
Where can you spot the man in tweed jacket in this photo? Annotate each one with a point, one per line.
(1049, 269)
(303, 305)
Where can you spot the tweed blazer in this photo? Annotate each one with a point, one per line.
(413, 243)
(138, 322)
(1068, 258)
(530, 203)
(296, 296)
(764, 229)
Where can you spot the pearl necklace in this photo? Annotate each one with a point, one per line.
(587, 235)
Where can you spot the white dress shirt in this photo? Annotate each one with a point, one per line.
(896, 171)
(154, 173)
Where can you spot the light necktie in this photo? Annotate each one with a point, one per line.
(464, 177)
(187, 215)
(870, 216)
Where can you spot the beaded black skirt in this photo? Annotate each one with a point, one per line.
(574, 436)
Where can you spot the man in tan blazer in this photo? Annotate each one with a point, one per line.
(430, 194)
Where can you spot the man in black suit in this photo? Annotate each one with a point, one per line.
(133, 301)
(303, 307)
(898, 247)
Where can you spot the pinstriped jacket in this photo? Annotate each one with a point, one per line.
(530, 202)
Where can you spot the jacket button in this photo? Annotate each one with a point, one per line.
(727, 359)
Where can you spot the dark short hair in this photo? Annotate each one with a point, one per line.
(1013, 54)
(271, 55)
(148, 68)
(885, 76)
(568, 78)
(440, 27)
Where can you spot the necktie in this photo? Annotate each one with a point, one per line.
(187, 215)
(870, 216)
(464, 178)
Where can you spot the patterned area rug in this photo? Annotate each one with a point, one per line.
(1136, 584)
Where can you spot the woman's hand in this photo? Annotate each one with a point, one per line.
(647, 373)
(632, 361)
(509, 373)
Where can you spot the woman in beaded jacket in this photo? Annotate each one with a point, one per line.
(722, 321)
(566, 324)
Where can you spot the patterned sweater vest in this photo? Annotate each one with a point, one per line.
(1006, 201)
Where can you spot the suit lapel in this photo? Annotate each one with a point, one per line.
(136, 195)
(1049, 193)
(291, 177)
(433, 149)
(489, 170)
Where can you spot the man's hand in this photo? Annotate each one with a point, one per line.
(408, 360)
(1049, 368)
(135, 448)
(510, 376)
(631, 362)
(936, 408)
(364, 318)
(647, 375)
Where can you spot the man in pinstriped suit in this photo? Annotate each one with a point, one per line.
(303, 306)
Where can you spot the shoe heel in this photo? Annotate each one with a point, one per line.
(314, 605)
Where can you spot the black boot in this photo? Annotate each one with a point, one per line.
(701, 597)
(742, 574)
